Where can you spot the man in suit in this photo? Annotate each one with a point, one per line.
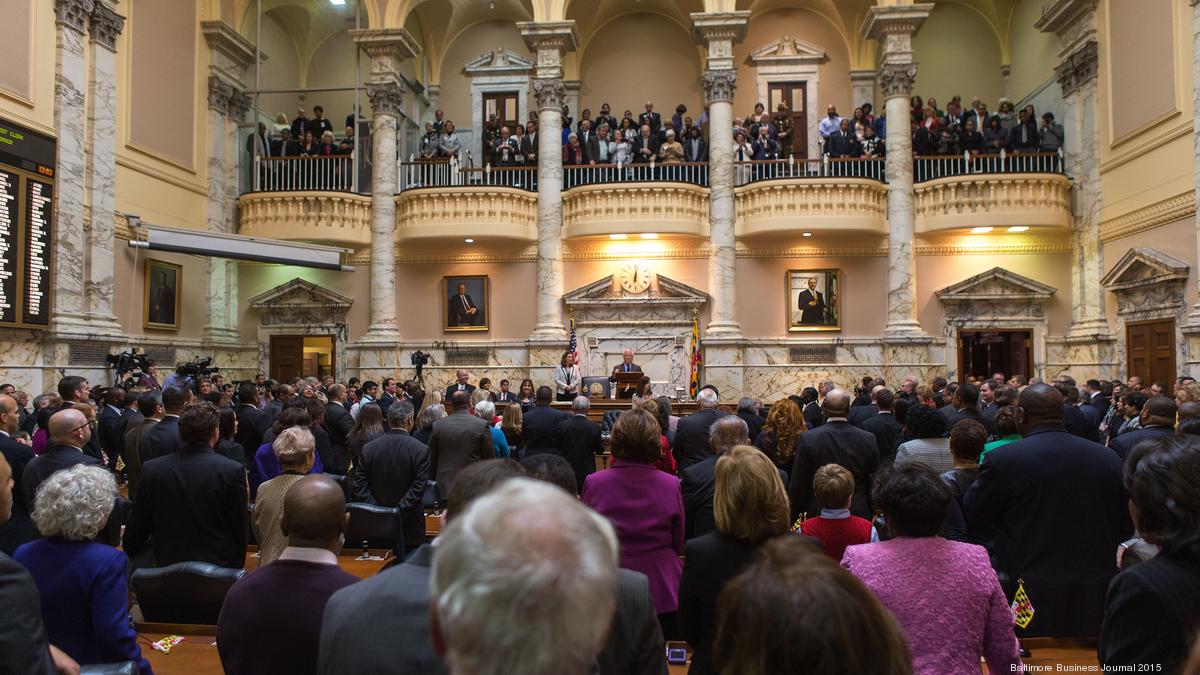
(108, 424)
(884, 426)
(73, 389)
(835, 442)
(1093, 393)
(698, 482)
(625, 366)
(650, 118)
(339, 424)
(694, 147)
(192, 501)
(645, 145)
(391, 394)
(249, 436)
(1073, 418)
(540, 427)
(579, 441)
(692, 432)
(151, 409)
(286, 146)
(393, 471)
(861, 413)
(19, 526)
(965, 406)
(748, 409)
(319, 124)
(987, 398)
(460, 384)
(463, 311)
(504, 396)
(163, 438)
(1158, 420)
(69, 432)
(597, 150)
(811, 304)
(811, 408)
(529, 144)
(586, 136)
(458, 440)
(1030, 494)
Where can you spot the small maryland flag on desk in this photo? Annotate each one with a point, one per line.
(1022, 608)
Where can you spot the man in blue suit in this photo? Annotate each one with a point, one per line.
(1158, 420)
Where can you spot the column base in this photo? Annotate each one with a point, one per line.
(1087, 328)
(907, 329)
(544, 332)
(380, 333)
(96, 326)
(221, 335)
(723, 330)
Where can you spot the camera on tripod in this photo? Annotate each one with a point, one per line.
(197, 368)
(130, 364)
(419, 360)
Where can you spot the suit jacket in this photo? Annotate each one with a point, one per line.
(887, 435)
(458, 312)
(698, 484)
(24, 647)
(813, 417)
(753, 422)
(53, 460)
(339, 424)
(711, 562)
(579, 442)
(19, 528)
(640, 142)
(835, 442)
(453, 388)
(504, 397)
(1151, 615)
(1077, 424)
(862, 413)
(386, 400)
(540, 429)
(108, 427)
(160, 440)
(592, 149)
(691, 436)
(194, 504)
(1031, 493)
(652, 118)
(249, 436)
(635, 639)
(955, 416)
(529, 148)
(129, 453)
(393, 470)
(457, 441)
(1125, 443)
(362, 621)
(695, 153)
(92, 447)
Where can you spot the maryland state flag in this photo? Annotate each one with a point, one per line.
(694, 384)
(1022, 608)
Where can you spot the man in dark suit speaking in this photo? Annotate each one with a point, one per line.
(812, 304)
(625, 366)
(463, 311)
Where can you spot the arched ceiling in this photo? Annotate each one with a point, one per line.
(444, 20)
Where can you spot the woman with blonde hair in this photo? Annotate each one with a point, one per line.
(780, 433)
(510, 426)
(750, 506)
(295, 448)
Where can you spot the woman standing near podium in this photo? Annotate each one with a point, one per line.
(567, 379)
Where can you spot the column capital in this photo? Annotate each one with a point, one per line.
(239, 105)
(1078, 68)
(387, 49)
(718, 32)
(549, 40)
(902, 19)
(549, 92)
(229, 53)
(73, 14)
(897, 79)
(219, 94)
(386, 97)
(1073, 21)
(719, 85)
(105, 26)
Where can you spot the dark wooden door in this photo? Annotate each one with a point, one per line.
(502, 106)
(287, 357)
(794, 95)
(982, 353)
(1150, 348)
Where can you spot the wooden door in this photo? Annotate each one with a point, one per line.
(982, 353)
(1150, 350)
(503, 105)
(793, 94)
(287, 357)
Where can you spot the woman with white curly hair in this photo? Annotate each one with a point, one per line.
(82, 584)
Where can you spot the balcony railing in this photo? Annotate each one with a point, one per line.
(695, 173)
(333, 173)
(944, 166)
(826, 167)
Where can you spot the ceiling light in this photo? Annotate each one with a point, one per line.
(469, 241)
(806, 234)
(618, 236)
(1019, 228)
(339, 3)
(649, 235)
(980, 230)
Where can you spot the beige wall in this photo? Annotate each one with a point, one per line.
(762, 295)
(17, 33)
(810, 27)
(1177, 239)
(637, 58)
(27, 81)
(422, 305)
(1032, 53)
(1142, 61)
(455, 98)
(281, 70)
(332, 65)
(162, 47)
(958, 53)
(255, 278)
(129, 291)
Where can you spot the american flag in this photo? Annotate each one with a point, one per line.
(574, 348)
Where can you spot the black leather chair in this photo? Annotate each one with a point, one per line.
(374, 526)
(186, 592)
(123, 668)
(432, 497)
(343, 481)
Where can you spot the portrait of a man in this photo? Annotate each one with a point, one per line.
(813, 300)
(466, 303)
(162, 295)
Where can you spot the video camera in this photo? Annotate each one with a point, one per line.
(131, 362)
(419, 360)
(197, 368)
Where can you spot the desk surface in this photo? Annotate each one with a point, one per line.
(196, 654)
(363, 569)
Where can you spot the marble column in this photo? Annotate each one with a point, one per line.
(862, 88)
(70, 114)
(893, 26)
(1194, 316)
(104, 27)
(550, 41)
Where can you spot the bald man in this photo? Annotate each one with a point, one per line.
(1158, 420)
(1188, 410)
(271, 619)
(834, 442)
(69, 432)
(19, 528)
(1058, 506)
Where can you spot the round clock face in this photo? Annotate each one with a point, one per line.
(634, 278)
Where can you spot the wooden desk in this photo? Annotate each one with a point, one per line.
(363, 569)
(196, 655)
(602, 405)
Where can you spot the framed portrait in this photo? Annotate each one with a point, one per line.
(814, 300)
(467, 303)
(163, 295)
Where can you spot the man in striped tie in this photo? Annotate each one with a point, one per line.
(625, 366)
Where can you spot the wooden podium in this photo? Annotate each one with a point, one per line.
(626, 383)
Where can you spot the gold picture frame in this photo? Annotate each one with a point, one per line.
(162, 295)
(472, 312)
(813, 298)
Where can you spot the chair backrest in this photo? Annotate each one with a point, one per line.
(343, 481)
(186, 592)
(432, 497)
(253, 539)
(378, 526)
(122, 668)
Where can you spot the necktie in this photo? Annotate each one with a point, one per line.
(464, 301)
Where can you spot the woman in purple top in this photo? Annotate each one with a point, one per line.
(266, 464)
(645, 507)
(944, 594)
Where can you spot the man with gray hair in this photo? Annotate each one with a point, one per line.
(393, 471)
(748, 409)
(835, 442)
(698, 482)
(525, 559)
(691, 434)
(579, 441)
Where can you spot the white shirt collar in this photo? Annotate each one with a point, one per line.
(837, 419)
(306, 554)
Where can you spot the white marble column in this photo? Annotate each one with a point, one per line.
(386, 101)
(894, 27)
(70, 114)
(104, 27)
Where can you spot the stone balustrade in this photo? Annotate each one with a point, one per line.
(466, 212)
(826, 204)
(993, 200)
(664, 208)
(339, 218)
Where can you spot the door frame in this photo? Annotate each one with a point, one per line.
(799, 131)
(1030, 359)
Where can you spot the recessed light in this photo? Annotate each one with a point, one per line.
(806, 234)
(980, 230)
(649, 235)
(469, 241)
(339, 3)
(618, 236)
(1018, 228)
